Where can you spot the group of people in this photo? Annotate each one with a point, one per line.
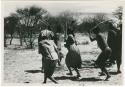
(51, 52)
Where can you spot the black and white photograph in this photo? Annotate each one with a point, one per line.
(67, 43)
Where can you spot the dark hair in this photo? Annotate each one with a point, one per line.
(71, 39)
(96, 30)
(44, 38)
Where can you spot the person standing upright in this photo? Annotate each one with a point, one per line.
(49, 36)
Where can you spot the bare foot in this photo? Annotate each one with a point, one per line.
(56, 82)
(69, 74)
(101, 74)
(44, 82)
(118, 71)
(107, 78)
(78, 76)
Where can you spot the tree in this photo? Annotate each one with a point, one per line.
(90, 22)
(118, 13)
(5, 31)
(65, 20)
(29, 20)
(9, 27)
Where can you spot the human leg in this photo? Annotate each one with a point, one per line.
(106, 72)
(77, 71)
(118, 61)
(101, 62)
(52, 79)
(45, 78)
(70, 71)
(42, 68)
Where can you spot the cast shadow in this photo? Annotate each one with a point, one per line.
(91, 79)
(113, 73)
(76, 79)
(33, 71)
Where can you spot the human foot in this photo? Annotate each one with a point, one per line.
(69, 74)
(107, 78)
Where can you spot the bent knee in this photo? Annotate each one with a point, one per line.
(108, 51)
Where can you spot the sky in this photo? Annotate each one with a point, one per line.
(55, 7)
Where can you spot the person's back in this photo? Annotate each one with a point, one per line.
(101, 41)
(50, 58)
(106, 51)
(45, 34)
(48, 49)
(111, 38)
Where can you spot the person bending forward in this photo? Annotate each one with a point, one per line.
(106, 51)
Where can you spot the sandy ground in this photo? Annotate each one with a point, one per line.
(23, 66)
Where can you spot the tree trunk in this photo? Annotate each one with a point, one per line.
(5, 39)
(21, 42)
(25, 41)
(31, 42)
(31, 45)
(21, 39)
(11, 39)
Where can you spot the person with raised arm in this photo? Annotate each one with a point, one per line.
(106, 51)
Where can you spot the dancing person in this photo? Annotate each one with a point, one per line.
(73, 57)
(50, 58)
(119, 48)
(111, 39)
(115, 43)
(106, 51)
(44, 33)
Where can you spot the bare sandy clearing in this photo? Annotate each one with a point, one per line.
(23, 67)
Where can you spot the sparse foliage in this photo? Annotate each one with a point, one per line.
(9, 27)
(29, 23)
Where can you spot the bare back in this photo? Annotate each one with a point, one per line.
(101, 42)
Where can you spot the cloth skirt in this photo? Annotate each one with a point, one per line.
(49, 66)
(73, 57)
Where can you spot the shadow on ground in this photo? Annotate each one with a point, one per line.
(33, 71)
(76, 79)
(113, 73)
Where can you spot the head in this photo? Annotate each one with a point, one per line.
(96, 30)
(44, 38)
(71, 39)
